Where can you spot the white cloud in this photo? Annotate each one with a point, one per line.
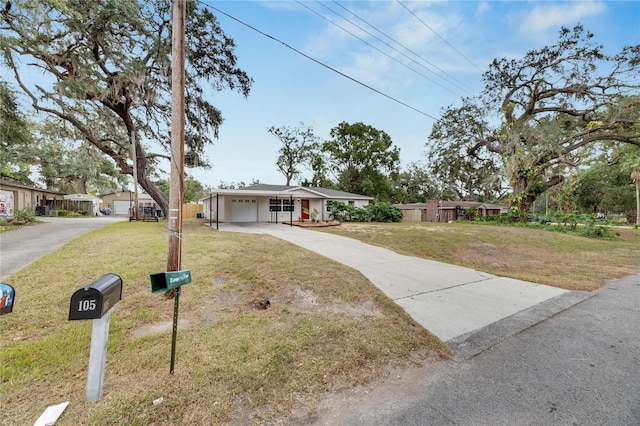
(547, 15)
(483, 7)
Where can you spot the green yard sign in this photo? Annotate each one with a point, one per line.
(165, 281)
(168, 280)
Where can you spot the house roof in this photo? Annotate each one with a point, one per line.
(411, 206)
(450, 205)
(295, 191)
(5, 182)
(468, 204)
(141, 195)
(80, 197)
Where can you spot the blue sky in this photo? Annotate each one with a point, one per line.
(439, 51)
(455, 41)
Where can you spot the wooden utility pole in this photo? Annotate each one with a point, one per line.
(134, 159)
(177, 138)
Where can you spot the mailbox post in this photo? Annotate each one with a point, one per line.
(95, 302)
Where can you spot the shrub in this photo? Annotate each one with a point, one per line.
(63, 212)
(342, 212)
(25, 214)
(382, 212)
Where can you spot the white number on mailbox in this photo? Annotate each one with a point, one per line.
(86, 305)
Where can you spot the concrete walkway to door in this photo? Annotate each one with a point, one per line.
(468, 309)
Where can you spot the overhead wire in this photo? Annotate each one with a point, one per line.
(436, 33)
(455, 82)
(376, 48)
(317, 61)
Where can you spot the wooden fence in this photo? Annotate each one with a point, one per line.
(412, 215)
(190, 211)
(71, 205)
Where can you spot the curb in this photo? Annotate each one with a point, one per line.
(476, 342)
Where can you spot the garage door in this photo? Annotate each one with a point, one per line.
(120, 207)
(244, 210)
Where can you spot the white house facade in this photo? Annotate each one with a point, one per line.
(275, 203)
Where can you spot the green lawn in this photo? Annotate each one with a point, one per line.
(557, 259)
(327, 329)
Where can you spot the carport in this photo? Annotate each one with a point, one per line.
(275, 203)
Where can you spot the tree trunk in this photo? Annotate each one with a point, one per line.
(81, 185)
(140, 163)
(635, 176)
(522, 197)
(637, 201)
(155, 193)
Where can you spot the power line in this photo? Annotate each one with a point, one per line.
(436, 33)
(318, 62)
(454, 82)
(387, 44)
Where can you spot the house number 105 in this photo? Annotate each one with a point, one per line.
(86, 305)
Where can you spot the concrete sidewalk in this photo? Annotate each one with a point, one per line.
(469, 310)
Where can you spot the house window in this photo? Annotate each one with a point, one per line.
(275, 205)
(288, 205)
(329, 204)
(351, 202)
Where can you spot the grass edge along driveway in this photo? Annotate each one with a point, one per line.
(557, 259)
(326, 329)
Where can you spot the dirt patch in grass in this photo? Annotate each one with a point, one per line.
(561, 260)
(326, 329)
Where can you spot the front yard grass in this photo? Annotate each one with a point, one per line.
(557, 259)
(327, 328)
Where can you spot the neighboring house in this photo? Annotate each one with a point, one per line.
(17, 196)
(275, 203)
(445, 211)
(77, 202)
(119, 203)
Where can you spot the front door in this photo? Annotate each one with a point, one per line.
(304, 206)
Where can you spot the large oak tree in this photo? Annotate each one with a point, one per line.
(104, 68)
(539, 114)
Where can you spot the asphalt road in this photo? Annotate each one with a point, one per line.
(580, 367)
(22, 247)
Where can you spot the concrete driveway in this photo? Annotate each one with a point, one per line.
(581, 367)
(23, 246)
(468, 309)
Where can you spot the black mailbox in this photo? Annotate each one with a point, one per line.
(7, 295)
(96, 299)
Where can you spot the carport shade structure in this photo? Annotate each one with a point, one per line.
(275, 203)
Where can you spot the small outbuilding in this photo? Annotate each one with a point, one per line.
(83, 202)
